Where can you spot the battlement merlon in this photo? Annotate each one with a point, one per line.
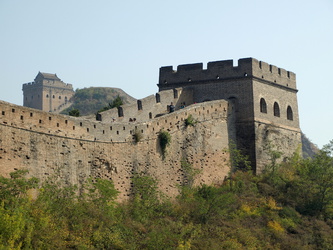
(60, 85)
(219, 70)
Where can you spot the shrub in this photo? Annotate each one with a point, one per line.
(189, 121)
(164, 139)
(137, 136)
(74, 112)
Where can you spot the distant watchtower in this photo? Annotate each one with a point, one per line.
(263, 98)
(47, 93)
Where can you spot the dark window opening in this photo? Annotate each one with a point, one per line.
(150, 115)
(158, 98)
(120, 112)
(175, 93)
(139, 104)
(263, 106)
(290, 114)
(276, 109)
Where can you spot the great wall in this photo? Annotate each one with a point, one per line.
(252, 105)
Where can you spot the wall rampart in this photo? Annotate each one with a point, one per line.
(108, 150)
(86, 129)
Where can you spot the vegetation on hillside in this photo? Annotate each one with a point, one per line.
(116, 103)
(308, 148)
(289, 206)
(88, 101)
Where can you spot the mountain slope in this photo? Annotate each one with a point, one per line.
(89, 100)
(308, 148)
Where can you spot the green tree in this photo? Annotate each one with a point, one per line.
(74, 112)
(16, 226)
(117, 102)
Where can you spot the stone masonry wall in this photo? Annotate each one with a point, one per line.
(47, 95)
(256, 89)
(149, 107)
(74, 149)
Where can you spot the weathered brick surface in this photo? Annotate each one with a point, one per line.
(53, 148)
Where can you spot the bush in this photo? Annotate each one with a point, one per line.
(74, 112)
(164, 140)
(137, 136)
(189, 121)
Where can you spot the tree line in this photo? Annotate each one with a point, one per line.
(288, 206)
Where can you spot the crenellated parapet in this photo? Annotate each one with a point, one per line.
(219, 71)
(53, 84)
(148, 108)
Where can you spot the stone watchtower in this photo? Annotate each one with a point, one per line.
(263, 97)
(47, 93)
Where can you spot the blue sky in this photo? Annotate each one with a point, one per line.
(124, 43)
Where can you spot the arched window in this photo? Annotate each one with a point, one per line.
(53, 96)
(59, 97)
(276, 109)
(290, 114)
(150, 115)
(263, 106)
(47, 96)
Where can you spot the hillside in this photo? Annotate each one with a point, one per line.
(289, 206)
(89, 100)
(308, 148)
